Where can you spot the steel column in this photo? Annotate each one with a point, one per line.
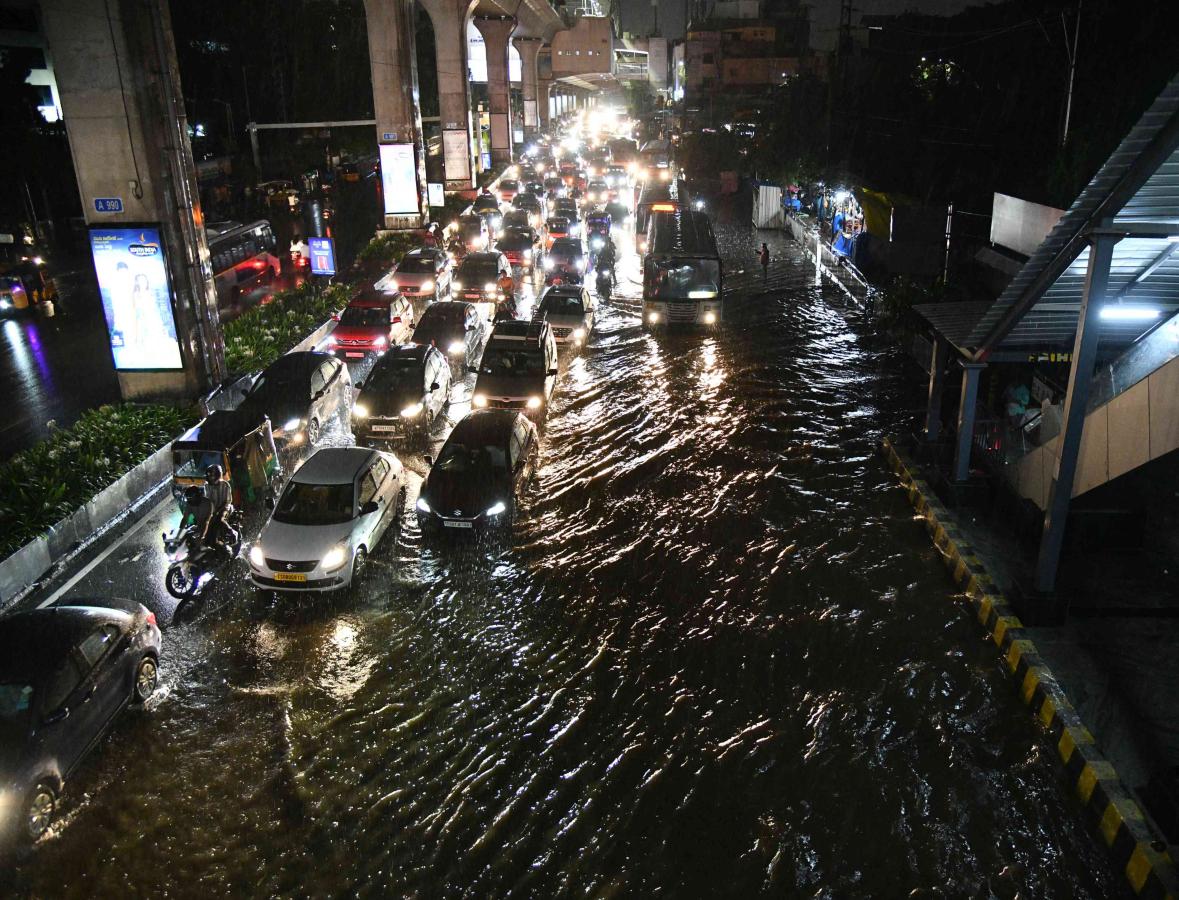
(937, 384)
(967, 410)
(1076, 405)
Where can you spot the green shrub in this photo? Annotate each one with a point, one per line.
(47, 482)
(261, 335)
(387, 248)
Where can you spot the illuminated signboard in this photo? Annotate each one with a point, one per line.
(399, 180)
(323, 256)
(136, 298)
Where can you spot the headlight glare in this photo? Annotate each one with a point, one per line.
(410, 411)
(334, 558)
(427, 285)
(456, 347)
(479, 400)
(257, 557)
(497, 509)
(360, 411)
(533, 403)
(293, 425)
(422, 505)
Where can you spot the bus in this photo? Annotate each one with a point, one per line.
(243, 256)
(683, 278)
(655, 161)
(655, 196)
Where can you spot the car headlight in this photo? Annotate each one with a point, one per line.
(533, 403)
(456, 348)
(393, 285)
(380, 341)
(479, 400)
(665, 175)
(497, 509)
(548, 262)
(653, 317)
(578, 334)
(410, 411)
(334, 558)
(257, 557)
(528, 254)
(359, 410)
(710, 318)
(457, 285)
(427, 285)
(293, 425)
(422, 505)
(489, 288)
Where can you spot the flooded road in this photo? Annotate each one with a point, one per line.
(718, 658)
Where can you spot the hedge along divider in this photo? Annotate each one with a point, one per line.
(75, 468)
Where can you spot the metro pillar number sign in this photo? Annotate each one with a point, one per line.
(323, 256)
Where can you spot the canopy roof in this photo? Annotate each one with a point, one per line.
(1135, 196)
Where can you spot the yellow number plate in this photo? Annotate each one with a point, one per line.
(289, 576)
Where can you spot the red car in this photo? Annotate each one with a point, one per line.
(508, 189)
(371, 323)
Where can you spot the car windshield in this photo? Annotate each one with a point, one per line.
(364, 316)
(511, 361)
(571, 249)
(558, 225)
(514, 240)
(314, 504)
(416, 265)
(509, 185)
(478, 270)
(459, 458)
(283, 381)
(404, 377)
(558, 305)
(485, 202)
(194, 463)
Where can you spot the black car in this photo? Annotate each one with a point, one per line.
(65, 673)
(407, 389)
(535, 189)
(518, 369)
(566, 255)
(528, 203)
(473, 231)
(477, 277)
(456, 329)
(301, 392)
(485, 203)
(481, 473)
(519, 246)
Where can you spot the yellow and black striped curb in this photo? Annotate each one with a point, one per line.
(1109, 806)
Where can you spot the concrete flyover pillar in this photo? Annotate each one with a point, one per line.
(393, 59)
(529, 48)
(496, 31)
(450, 19)
(123, 106)
(543, 101)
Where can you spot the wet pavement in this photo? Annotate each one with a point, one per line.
(717, 658)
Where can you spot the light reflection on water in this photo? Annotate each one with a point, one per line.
(717, 658)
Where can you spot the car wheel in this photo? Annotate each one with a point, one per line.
(40, 811)
(147, 679)
(313, 432)
(359, 562)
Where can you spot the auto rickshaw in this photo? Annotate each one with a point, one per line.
(25, 284)
(238, 441)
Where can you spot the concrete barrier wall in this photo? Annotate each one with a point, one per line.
(30, 563)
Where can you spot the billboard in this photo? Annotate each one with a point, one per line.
(399, 180)
(136, 298)
(323, 256)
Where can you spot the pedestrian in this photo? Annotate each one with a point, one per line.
(764, 258)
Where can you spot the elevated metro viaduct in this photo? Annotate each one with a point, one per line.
(123, 107)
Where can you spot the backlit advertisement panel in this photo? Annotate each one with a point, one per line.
(136, 298)
(399, 180)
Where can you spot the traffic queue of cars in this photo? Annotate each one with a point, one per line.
(66, 672)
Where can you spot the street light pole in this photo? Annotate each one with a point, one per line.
(1072, 71)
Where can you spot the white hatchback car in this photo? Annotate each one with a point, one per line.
(329, 518)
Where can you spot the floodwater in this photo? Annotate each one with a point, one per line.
(718, 658)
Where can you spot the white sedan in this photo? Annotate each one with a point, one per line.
(328, 520)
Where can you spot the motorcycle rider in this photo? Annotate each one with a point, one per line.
(606, 257)
(506, 308)
(214, 504)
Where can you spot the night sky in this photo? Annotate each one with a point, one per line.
(637, 15)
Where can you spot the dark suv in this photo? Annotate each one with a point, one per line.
(519, 368)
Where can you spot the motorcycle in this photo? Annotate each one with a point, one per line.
(194, 560)
(604, 282)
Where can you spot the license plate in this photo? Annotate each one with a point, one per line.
(290, 576)
(450, 524)
(384, 427)
(354, 355)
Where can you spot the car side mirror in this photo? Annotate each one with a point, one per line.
(369, 508)
(58, 715)
(474, 370)
(396, 320)
(269, 502)
(552, 371)
(318, 395)
(435, 386)
(360, 385)
(428, 458)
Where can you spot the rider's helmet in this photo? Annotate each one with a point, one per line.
(213, 474)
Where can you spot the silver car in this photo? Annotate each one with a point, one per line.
(330, 517)
(423, 273)
(569, 309)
